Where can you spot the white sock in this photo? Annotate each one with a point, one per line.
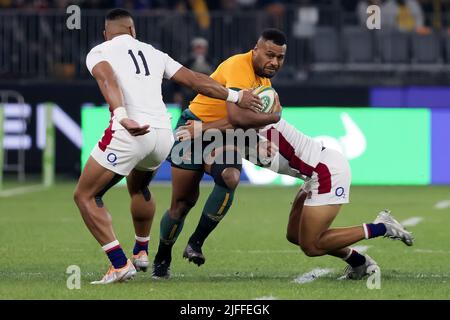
(142, 239)
(366, 231)
(350, 251)
(107, 247)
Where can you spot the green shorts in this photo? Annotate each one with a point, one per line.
(182, 154)
(190, 154)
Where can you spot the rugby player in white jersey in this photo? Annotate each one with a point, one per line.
(327, 177)
(139, 137)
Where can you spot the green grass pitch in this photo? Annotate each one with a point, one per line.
(247, 256)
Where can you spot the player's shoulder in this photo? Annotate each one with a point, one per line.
(150, 48)
(239, 60)
(98, 48)
(118, 41)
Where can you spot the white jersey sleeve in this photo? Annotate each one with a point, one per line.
(139, 69)
(95, 56)
(171, 66)
(294, 145)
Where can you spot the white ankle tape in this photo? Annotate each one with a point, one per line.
(366, 231)
(349, 254)
(142, 239)
(111, 245)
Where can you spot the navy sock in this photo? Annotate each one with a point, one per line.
(355, 259)
(115, 254)
(373, 230)
(141, 244)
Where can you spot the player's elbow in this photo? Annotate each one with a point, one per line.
(199, 84)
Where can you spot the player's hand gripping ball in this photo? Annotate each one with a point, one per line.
(267, 95)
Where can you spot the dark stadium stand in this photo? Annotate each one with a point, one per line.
(325, 38)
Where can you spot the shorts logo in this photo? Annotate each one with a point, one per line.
(339, 192)
(111, 157)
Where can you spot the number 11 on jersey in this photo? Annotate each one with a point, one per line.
(144, 62)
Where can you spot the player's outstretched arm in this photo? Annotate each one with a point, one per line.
(109, 86)
(207, 86)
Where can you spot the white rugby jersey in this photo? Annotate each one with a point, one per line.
(302, 152)
(139, 68)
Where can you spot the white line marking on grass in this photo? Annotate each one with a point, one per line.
(21, 190)
(417, 275)
(236, 275)
(433, 275)
(431, 251)
(411, 222)
(266, 298)
(312, 275)
(21, 274)
(361, 249)
(444, 204)
(265, 251)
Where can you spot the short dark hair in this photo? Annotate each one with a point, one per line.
(117, 13)
(277, 36)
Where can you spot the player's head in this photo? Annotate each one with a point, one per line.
(118, 22)
(269, 53)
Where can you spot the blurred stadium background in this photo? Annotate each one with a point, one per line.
(382, 97)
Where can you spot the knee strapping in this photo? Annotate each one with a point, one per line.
(144, 187)
(99, 196)
(146, 193)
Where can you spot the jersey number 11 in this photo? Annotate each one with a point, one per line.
(138, 70)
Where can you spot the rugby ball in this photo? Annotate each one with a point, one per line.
(267, 96)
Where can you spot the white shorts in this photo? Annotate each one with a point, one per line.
(121, 152)
(330, 181)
